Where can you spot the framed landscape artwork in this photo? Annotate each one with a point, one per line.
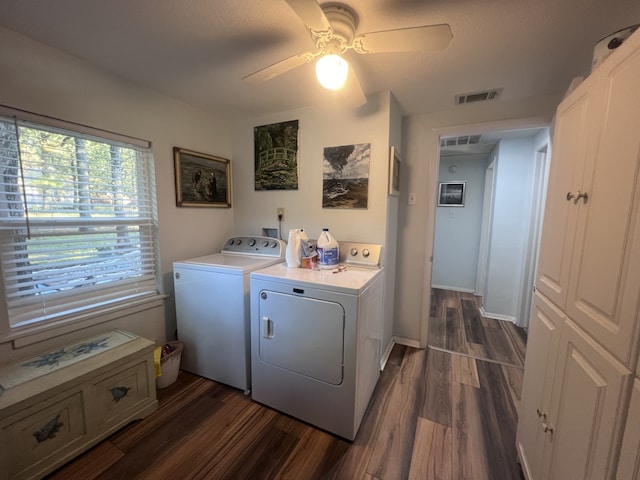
(451, 194)
(276, 156)
(201, 180)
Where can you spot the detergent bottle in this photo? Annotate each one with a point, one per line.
(292, 253)
(328, 250)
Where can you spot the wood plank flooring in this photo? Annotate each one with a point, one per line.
(433, 415)
(457, 326)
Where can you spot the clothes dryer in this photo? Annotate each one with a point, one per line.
(316, 339)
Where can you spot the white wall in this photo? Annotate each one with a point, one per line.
(43, 80)
(321, 127)
(416, 222)
(514, 169)
(457, 229)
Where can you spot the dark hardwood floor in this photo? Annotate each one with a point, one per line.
(457, 326)
(433, 415)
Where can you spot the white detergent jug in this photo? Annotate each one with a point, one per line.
(328, 250)
(292, 253)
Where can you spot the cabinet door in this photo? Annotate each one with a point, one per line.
(567, 161)
(604, 287)
(583, 425)
(542, 347)
(629, 466)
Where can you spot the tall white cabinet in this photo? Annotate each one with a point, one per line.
(582, 353)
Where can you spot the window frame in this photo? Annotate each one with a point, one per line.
(115, 306)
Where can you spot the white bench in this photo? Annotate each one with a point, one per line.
(57, 405)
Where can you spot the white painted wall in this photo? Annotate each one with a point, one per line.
(458, 229)
(514, 169)
(321, 127)
(40, 79)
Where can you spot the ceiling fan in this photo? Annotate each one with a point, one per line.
(333, 30)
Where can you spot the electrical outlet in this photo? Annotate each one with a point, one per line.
(281, 214)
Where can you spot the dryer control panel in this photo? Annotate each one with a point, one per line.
(360, 254)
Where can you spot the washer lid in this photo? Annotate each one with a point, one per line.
(228, 263)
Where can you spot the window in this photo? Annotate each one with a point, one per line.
(77, 223)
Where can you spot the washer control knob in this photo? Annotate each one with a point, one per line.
(274, 244)
(177, 275)
(238, 242)
(252, 242)
(365, 252)
(354, 252)
(231, 242)
(265, 243)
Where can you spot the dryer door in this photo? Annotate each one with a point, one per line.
(302, 335)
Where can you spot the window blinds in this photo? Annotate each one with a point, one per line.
(77, 221)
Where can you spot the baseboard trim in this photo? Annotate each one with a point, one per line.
(386, 354)
(497, 316)
(407, 342)
(454, 289)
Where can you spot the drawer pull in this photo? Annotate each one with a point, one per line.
(118, 393)
(49, 430)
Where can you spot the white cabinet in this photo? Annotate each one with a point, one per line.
(569, 149)
(629, 468)
(583, 422)
(62, 402)
(584, 333)
(590, 250)
(544, 332)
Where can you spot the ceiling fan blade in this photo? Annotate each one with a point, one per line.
(279, 68)
(311, 14)
(413, 39)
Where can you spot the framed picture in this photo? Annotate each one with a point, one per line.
(276, 156)
(451, 194)
(345, 176)
(394, 172)
(201, 180)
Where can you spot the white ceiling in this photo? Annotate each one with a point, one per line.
(199, 50)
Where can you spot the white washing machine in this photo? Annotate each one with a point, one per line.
(213, 309)
(316, 339)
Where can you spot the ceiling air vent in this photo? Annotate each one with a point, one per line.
(461, 140)
(478, 96)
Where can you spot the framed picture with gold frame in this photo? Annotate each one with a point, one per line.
(202, 180)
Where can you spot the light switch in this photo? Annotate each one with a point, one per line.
(412, 198)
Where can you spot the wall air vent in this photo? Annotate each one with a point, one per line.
(461, 140)
(474, 97)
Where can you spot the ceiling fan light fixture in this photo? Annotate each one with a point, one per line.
(332, 71)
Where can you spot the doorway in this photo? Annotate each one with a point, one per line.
(504, 173)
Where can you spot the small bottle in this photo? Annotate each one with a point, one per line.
(328, 250)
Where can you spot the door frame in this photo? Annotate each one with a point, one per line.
(432, 144)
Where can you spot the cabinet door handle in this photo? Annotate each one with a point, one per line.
(583, 195)
(541, 414)
(547, 428)
(575, 198)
